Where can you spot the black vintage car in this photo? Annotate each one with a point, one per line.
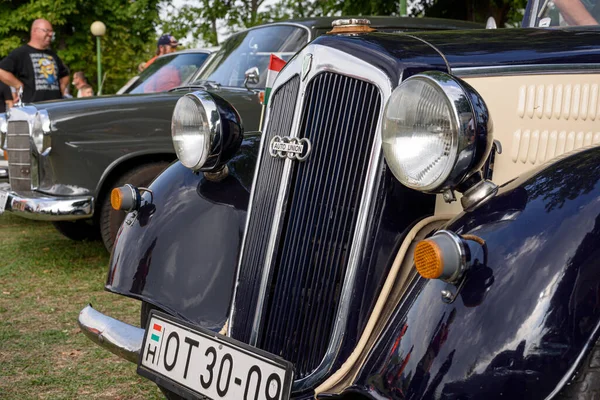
(423, 223)
(66, 156)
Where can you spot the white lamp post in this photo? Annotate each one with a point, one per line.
(98, 29)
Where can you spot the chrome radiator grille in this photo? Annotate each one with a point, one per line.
(19, 156)
(339, 117)
(283, 105)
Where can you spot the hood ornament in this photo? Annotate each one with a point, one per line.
(292, 148)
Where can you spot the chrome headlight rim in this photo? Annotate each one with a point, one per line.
(472, 130)
(40, 133)
(206, 105)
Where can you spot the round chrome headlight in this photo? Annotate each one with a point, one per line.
(193, 127)
(206, 131)
(436, 132)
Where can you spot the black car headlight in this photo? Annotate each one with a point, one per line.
(436, 132)
(206, 131)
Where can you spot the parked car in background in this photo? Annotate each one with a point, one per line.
(185, 62)
(182, 65)
(310, 288)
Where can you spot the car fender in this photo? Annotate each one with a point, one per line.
(133, 159)
(179, 251)
(525, 318)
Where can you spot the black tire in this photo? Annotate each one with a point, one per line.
(78, 230)
(109, 219)
(586, 384)
(144, 314)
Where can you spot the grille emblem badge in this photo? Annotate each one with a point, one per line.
(292, 148)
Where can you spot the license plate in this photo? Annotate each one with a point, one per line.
(196, 363)
(3, 199)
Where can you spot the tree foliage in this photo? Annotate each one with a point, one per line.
(130, 33)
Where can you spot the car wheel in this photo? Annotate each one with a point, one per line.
(144, 314)
(78, 230)
(586, 383)
(110, 219)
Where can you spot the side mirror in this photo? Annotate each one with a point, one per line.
(252, 77)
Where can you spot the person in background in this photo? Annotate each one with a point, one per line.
(35, 68)
(166, 44)
(168, 76)
(85, 91)
(6, 97)
(79, 81)
(575, 12)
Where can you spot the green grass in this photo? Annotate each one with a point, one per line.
(45, 280)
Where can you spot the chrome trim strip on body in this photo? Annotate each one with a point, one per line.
(46, 208)
(347, 65)
(118, 337)
(527, 69)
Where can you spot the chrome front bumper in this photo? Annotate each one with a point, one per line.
(34, 205)
(118, 337)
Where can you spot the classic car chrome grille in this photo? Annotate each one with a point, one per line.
(339, 117)
(19, 155)
(283, 105)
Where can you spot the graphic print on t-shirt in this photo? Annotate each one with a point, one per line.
(45, 71)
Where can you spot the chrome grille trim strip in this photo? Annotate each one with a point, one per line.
(23, 114)
(348, 65)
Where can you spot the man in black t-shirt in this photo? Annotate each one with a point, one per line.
(35, 67)
(6, 99)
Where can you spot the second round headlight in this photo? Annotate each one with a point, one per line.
(193, 127)
(432, 136)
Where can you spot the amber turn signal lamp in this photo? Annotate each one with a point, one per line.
(445, 256)
(5, 154)
(428, 259)
(126, 198)
(116, 198)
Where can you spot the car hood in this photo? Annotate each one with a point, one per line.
(72, 113)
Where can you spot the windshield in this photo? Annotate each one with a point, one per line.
(567, 13)
(167, 72)
(250, 49)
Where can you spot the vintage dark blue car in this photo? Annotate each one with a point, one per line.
(346, 266)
